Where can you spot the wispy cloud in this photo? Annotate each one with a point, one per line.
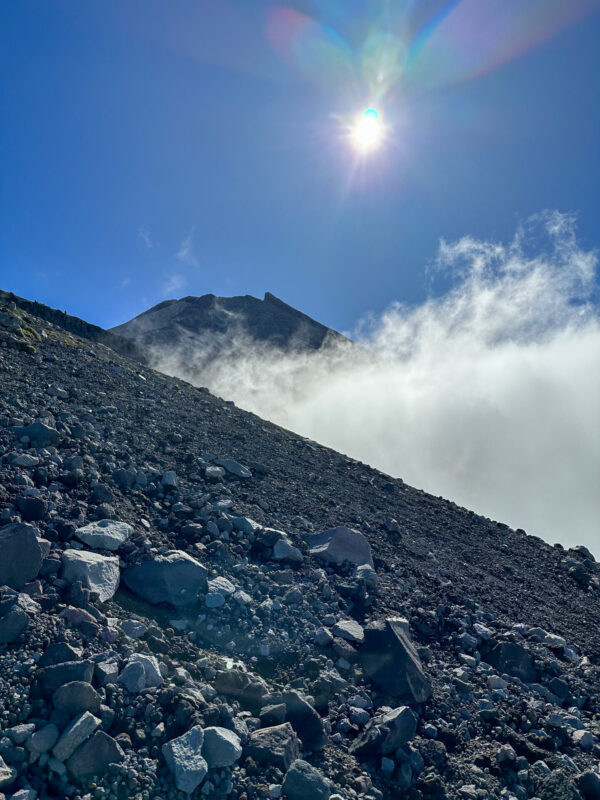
(187, 252)
(173, 284)
(145, 237)
(125, 282)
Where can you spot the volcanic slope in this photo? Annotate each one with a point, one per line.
(199, 603)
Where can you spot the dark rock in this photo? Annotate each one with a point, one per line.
(94, 756)
(389, 658)
(58, 653)
(40, 435)
(13, 624)
(303, 718)
(277, 746)
(21, 555)
(512, 659)
(304, 781)
(247, 688)
(76, 697)
(176, 578)
(32, 509)
(337, 545)
(386, 733)
(59, 674)
(589, 785)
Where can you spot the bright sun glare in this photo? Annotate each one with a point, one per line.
(367, 131)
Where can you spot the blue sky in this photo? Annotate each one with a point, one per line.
(153, 149)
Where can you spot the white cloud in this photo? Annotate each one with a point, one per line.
(145, 237)
(187, 253)
(488, 395)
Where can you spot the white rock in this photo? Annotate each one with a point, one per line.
(98, 573)
(107, 534)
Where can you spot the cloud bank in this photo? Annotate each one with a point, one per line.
(488, 395)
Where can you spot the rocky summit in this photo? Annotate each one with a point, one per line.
(214, 324)
(196, 603)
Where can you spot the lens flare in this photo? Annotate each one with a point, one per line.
(367, 132)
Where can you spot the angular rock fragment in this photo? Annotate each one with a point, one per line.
(513, 659)
(389, 658)
(304, 781)
(94, 756)
(184, 758)
(386, 733)
(175, 578)
(247, 688)
(98, 573)
(303, 718)
(75, 697)
(58, 674)
(337, 545)
(277, 746)
(39, 435)
(75, 734)
(221, 747)
(21, 555)
(233, 468)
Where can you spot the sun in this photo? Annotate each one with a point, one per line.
(367, 132)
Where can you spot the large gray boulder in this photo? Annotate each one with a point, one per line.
(386, 733)
(106, 534)
(21, 555)
(184, 758)
(221, 748)
(94, 756)
(304, 781)
(98, 573)
(513, 659)
(389, 658)
(337, 545)
(175, 578)
(277, 746)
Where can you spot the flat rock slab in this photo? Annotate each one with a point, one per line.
(75, 734)
(175, 578)
(98, 573)
(337, 545)
(184, 758)
(21, 555)
(107, 534)
(350, 630)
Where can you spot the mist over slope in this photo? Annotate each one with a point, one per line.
(487, 395)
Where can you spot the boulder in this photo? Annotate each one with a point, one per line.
(12, 624)
(32, 509)
(75, 697)
(249, 689)
(389, 658)
(386, 733)
(304, 781)
(7, 774)
(221, 747)
(589, 785)
(58, 653)
(75, 734)
(337, 545)
(152, 676)
(513, 659)
(58, 674)
(94, 756)
(175, 578)
(107, 534)
(277, 746)
(184, 758)
(41, 741)
(284, 550)
(98, 573)
(21, 555)
(39, 435)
